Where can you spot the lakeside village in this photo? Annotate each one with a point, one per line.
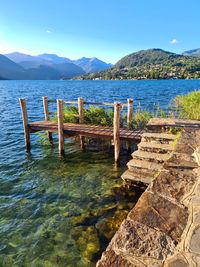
(150, 72)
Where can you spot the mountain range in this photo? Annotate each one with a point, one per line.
(152, 64)
(145, 64)
(46, 66)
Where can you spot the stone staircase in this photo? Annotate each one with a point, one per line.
(153, 150)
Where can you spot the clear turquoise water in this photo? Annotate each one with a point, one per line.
(58, 212)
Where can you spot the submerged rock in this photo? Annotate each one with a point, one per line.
(87, 241)
(107, 227)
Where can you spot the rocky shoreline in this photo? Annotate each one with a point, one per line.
(163, 229)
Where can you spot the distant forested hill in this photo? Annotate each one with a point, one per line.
(193, 52)
(151, 64)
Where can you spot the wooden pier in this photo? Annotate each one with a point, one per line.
(66, 130)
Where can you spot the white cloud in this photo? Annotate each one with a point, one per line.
(48, 31)
(174, 41)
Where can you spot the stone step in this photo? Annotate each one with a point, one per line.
(142, 177)
(155, 147)
(150, 156)
(144, 164)
(158, 137)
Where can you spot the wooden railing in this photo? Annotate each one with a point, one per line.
(80, 103)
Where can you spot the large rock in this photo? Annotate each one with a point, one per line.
(159, 213)
(135, 239)
(174, 184)
(163, 229)
(111, 259)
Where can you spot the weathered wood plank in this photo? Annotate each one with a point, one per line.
(87, 130)
(25, 124)
(46, 116)
(80, 110)
(60, 126)
(81, 119)
(89, 103)
(116, 131)
(70, 102)
(104, 104)
(130, 113)
(129, 120)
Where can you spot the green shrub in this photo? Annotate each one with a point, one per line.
(98, 116)
(70, 115)
(141, 118)
(189, 105)
(92, 115)
(159, 113)
(43, 138)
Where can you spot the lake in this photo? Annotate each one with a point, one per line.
(63, 212)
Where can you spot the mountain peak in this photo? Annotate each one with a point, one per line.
(16, 54)
(18, 57)
(91, 65)
(54, 58)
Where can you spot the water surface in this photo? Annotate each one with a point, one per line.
(62, 212)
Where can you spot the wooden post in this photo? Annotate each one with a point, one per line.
(60, 126)
(46, 116)
(129, 121)
(25, 124)
(130, 113)
(81, 119)
(116, 129)
(80, 110)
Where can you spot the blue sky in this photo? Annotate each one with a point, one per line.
(107, 29)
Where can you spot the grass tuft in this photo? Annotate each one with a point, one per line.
(189, 105)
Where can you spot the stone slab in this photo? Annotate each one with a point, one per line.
(144, 164)
(188, 141)
(177, 261)
(150, 156)
(159, 136)
(181, 161)
(154, 147)
(161, 214)
(183, 259)
(134, 239)
(137, 176)
(174, 184)
(111, 259)
(194, 244)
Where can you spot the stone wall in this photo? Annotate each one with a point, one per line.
(163, 229)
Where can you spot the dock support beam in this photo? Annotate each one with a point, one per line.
(130, 113)
(80, 110)
(25, 124)
(81, 119)
(46, 116)
(60, 126)
(116, 133)
(129, 121)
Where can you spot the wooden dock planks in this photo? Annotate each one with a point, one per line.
(86, 130)
(65, 130)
